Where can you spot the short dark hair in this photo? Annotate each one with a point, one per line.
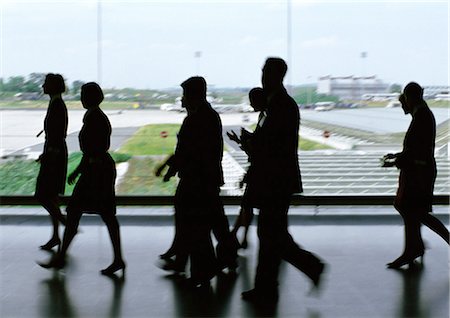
(55, 83)
(93, 93)
(195, 87)
(257, 93)
(413, 91)
(277, 66)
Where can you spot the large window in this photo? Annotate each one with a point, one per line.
(347, 63)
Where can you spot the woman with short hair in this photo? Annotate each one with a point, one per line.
(51, 179)
(417, 166)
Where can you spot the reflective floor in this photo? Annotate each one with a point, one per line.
(356, 283)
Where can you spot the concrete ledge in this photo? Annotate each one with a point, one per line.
(167, 219)
(317, 200)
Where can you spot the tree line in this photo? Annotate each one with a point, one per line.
(32, 84)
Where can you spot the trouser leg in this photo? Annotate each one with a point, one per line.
(436, 226)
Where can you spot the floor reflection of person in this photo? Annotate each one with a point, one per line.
(51, 179)
(94, 191)
(417, 176)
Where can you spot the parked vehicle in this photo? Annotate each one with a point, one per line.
(324, 106)
(393, 104)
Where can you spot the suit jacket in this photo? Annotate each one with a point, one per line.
(275, 164)
(199, 151)
(416, 161)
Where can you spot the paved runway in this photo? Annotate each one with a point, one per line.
(19, 127)
(356, 284)
(377, 120)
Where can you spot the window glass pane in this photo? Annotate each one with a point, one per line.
(347, 63)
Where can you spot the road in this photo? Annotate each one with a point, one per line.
(377, 120)
(18, 128)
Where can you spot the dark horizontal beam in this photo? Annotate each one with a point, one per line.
(147, 200)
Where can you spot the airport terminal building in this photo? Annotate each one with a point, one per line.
(351, 87)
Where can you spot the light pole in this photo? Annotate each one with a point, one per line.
(99, 42)
(363, 56)
(197, 56)
(308, 92)
(289, 44)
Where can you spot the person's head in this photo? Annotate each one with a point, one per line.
(194, 91)
(273, 73)
(413, 94)
(257, 98)
(91, 95)
(54, 84)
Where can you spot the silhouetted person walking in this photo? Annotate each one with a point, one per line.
(198, 209)
(276, 176)
(258, 101)
(417, 175)
(52, 173)
(94, 191)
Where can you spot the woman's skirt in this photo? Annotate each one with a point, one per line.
(94, 191)
(52, 175)
(415, 191)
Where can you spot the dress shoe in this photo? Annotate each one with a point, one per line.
(57, 262)
(171, 266)
(261, 296)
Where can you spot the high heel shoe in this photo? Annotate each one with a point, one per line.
(114, 267)
(406, 259)
(50, 244)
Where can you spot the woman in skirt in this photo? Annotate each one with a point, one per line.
(52, 173)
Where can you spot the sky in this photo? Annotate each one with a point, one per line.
(152, 44)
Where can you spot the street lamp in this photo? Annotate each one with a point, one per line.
(308, 92)
(197, 56)
(363, 56)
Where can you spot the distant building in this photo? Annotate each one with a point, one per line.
(351, 87)
(436, 92)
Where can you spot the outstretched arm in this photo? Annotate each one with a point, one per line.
(172, 171)
(74, 175)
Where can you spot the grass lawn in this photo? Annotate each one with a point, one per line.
(141, 180)
(306, 144)
(72, 104)
(148, 141)
(18, 177)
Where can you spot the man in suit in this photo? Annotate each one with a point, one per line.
(198, 209)
(276, 176)
(417, 175)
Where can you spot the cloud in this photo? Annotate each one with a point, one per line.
(322, 42)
